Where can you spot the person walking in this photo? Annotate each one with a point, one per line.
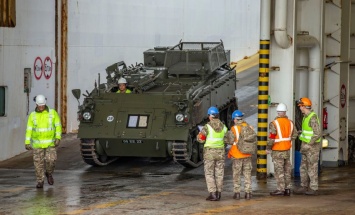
(281, 133)
(212, 135)
(310, 148)
(241, 162)
(43, 134)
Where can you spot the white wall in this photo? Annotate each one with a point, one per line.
(101, 33)
(111, 31)
(32, 37)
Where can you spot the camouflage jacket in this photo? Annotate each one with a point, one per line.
(230, 137)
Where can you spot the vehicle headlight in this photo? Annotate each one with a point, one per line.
(87, 115)
(179, 117)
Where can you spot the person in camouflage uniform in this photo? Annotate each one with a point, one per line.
(212, 135)
(241, 162)
(310, 148)
(43, 134)
(281, 133)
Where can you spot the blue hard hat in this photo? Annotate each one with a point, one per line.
(212, 111)
(237, 114)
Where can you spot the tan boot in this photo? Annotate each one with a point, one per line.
(277, 193)
(311, 192)
(300, 190)
(287, 192)
(40, 184)
(212, 197)
(236, 196)
(50, 179)
(218, 195)
(247, 196)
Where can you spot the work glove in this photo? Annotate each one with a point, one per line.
(56, 143)
(28, 147)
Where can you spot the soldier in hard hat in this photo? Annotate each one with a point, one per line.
(310, 148)
(241, 162)
(122, 86)
(281, 133)
(43, 135)
(212, 135)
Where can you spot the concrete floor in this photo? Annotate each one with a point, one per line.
(143, 186)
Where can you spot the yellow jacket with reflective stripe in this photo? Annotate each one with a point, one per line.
(126, 91)
(43, 128)
(215, 139)
(307, 131)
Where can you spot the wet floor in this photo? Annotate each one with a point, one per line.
(145, 186)
(151, 186)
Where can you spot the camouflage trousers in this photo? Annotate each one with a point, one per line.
(282, 165)
(214, 168)
(44, 161)
(309, 169)
(239, 166)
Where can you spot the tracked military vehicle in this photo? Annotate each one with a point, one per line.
(171, 92)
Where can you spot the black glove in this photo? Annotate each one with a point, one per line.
(56, 143)
(28, 147)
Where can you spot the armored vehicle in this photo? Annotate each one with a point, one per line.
(170, 95)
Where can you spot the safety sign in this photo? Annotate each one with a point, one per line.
(38, 68)
(47, 67)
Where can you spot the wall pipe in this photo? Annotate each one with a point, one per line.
(263, 94)
(63, 64)
(312, 44)
(303, 66)
(281, 37)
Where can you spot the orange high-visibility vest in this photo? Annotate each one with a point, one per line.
(284, 128)
(234, 151)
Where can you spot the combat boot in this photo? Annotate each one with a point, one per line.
(311, 192)
(212, 197)
(247, 196)
(218, 195)
(277, 193)
(300, 190)
(287, 192)
(40, 184)
(236, 196)
(50, 179)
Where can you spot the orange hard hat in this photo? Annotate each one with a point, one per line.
(304, 102)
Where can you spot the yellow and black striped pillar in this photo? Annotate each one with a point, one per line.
(263, 96)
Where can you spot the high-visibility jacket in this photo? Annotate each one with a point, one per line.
(307, 131)
(284, 128)
(127, 91)
(43, 128)
(215, 139)
(234, 151)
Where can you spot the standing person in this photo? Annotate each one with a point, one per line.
(43, 134)
(310, 147)
(122, 86)
(282, 132)
(212, 135)
(241, 161)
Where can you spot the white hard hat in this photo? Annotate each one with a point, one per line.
(122, 81)
(281, 108)
(41, 100)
